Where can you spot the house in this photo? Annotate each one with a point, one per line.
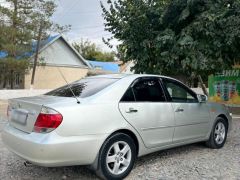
(104, 67)
(57, 58)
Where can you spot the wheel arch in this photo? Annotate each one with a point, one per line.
(95, 164)
(225, 118)
(129, 133)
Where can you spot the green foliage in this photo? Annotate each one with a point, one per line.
(173, 37)
(10, 67)
(15, 33)
(20, 23)
(91, 51)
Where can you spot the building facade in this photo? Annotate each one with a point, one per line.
(58, 61)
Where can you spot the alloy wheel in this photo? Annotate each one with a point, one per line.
(118, 157)
(219, 133)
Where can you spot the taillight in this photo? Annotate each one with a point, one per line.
(47, 120)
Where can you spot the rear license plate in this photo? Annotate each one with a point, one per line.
(19, 116)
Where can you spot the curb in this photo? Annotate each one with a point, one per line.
(236, 116)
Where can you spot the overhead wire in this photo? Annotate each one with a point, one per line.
(91, 35)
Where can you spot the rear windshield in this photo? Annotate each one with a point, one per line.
(83, 88)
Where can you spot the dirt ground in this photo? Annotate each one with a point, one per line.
(188, 162)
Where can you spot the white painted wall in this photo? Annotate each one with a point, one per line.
(59, 53)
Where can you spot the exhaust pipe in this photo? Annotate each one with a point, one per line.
(27, 164)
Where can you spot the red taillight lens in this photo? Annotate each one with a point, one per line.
(47, 122)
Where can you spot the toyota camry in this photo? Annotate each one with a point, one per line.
(108, 121)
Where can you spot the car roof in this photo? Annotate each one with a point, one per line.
(120, 76)
(115, 76)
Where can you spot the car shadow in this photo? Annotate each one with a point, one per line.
(170, 153)
(83, 172)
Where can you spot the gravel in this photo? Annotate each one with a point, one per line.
(187, 162)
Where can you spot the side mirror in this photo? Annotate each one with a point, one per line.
(202, 98)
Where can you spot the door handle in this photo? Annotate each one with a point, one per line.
(179, 110)
(132, 110)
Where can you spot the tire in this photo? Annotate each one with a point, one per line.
(120, 162)
(218, 135)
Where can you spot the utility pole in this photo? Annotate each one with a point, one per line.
(36, 55)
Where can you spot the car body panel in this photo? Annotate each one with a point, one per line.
(52, 149)
(31, 107)
(87, 125)
(191, 123)
(154, 121)
(217, 110)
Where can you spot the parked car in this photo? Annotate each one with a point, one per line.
(108, 121)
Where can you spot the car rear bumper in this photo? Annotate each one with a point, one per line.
(52, 150)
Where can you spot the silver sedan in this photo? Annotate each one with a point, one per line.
(108, 121)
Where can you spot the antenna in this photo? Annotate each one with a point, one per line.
(68, 85)
(65, 78)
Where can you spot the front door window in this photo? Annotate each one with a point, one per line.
(178, 92)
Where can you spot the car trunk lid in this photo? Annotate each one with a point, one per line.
(23, 112)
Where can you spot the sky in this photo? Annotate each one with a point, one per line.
(85, 17)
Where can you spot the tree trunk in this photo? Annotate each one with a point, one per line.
(203, 85)
(14, 26)
(36, 55)
(12, 79)
(4, 82)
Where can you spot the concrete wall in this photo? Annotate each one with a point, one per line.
(49, 77)
(9, 94)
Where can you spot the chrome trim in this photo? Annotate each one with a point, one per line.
(161, 127)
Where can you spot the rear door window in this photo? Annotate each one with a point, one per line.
(83, 88)
(128, 96)
(148, 90)
(145, 90)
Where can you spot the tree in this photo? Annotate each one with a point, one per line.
(42, 24)
(10, 67)
(21, 22)
(15, 40)
(190, 37)
(91, 51)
